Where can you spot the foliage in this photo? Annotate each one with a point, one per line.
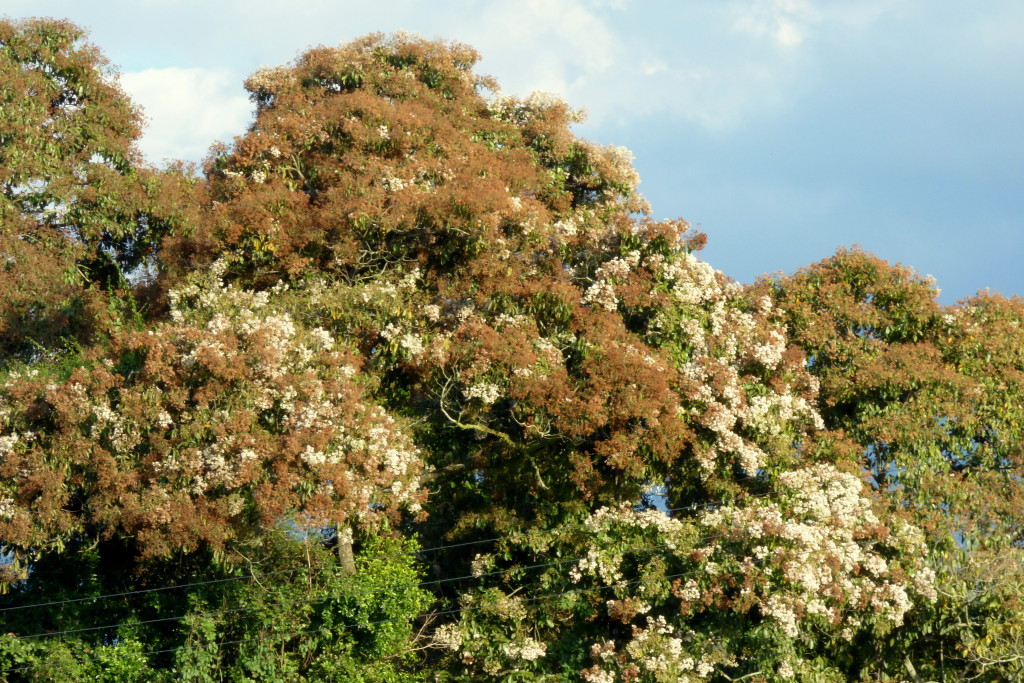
(207, 428)
(932, 397)
(295, 615)
(403, 308)
(318, 624)
(79, 211)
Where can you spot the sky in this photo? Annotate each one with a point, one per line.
(784, 128)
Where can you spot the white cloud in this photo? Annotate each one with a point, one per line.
(539, 45)
(581, 50)
(715, 66)
(785, 21)
(187, 109)
(802, 92)
(653, 66)
(617, 59)
(860, 15)
(790, 22)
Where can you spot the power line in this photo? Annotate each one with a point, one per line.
(464, 544)
(423, 584)
(109, 596)
(346, 627)
(402, 587)
(326, 597)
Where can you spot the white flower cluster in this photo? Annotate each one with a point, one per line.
(618, 267)
(7, 444)
(423, 179)
(535, 105)
(287, 379)
(122, 433)
(769, 354)
(785, 670)
(8, 509)
(656, 652)
(485, 392)
(504, 320)
(268, 78)
(395, 184)
(432, 312)
(548, 351)
(410, 342)
(601, 294)
(481, 564)
(599, 564)
(707, 317)
(692, 282)
(527, 650)
(380, 459)
(621, 160)
(322, 338)
(825, 545)
(448, 636)
(768, 414)
(567, 227)
(812, 561)
(474, 648)
(602, 561)
(642, 520)
(602, 291)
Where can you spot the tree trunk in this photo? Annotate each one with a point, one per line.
(346, 558)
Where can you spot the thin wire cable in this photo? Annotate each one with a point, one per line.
(434, 614)
(514, 536)
(457, 610)
(321, 598)
(110, 596)
(421, 616)
(426, 615)
(423, 584)
(346, 627)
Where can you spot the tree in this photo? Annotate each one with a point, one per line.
(191, 447)
(931, 395)
(176, 441)
(403, 309)
(79, 211)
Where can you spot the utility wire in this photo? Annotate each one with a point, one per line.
(401, 587)
(494, 539)
(384, 589)
(322, 598)
(346, 627)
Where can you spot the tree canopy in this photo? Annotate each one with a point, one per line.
(407, 385)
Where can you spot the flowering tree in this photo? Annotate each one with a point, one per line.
(404, 304)
(197, 440)
(209, 427)
(782, 580)
(932, 397)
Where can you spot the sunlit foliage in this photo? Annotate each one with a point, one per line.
(405, 310)
(79, 211)
(933, 397)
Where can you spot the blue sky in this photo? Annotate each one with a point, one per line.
(786, 128)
